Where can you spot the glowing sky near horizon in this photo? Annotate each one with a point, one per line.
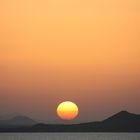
(86, 51)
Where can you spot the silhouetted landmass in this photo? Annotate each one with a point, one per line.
(120, 122)
(17, 121)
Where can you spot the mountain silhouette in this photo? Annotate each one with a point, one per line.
(120, 122)
(17, 121)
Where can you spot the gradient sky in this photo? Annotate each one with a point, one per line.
(86, 51)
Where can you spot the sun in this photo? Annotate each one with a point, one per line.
(67, 110)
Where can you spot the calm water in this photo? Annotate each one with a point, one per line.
(69, 136)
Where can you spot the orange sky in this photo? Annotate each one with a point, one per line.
(87, 51)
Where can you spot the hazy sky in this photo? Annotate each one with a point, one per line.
(86, 51)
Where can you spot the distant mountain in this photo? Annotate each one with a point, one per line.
(9, 116)
(17, 121)
(120, 122)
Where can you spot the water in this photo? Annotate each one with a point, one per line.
(69, 136)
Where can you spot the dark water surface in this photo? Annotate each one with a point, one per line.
(69, 136)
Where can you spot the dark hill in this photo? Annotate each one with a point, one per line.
(17, 121)
(120, 122)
